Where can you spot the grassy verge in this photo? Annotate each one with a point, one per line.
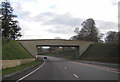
(17, 68)
(13, 50)
(103, 60)
(102, 52)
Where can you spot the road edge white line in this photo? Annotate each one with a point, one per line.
(30, 72)
(98, 67)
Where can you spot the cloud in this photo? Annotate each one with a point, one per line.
(59, 18)
(56, 31)
(64, 19)
(106, 25)
(46, 16)
(24, 15)
(60, 23)
(119, 15)
(53, 7)
(50, 18)
(65, 23)
(115, 2)
(61, 29)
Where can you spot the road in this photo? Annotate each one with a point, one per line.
(62, 69)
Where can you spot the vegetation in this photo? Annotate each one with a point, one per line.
(10, 26)
(17, 68)
(102, 52)
(112, 37)
(13, 50)
(65, 54)
(89, 32)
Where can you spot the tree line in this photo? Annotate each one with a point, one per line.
(89, 32)
(10, 27)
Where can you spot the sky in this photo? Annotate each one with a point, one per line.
(47, 19)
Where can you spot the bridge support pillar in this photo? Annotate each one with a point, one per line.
(77, 52)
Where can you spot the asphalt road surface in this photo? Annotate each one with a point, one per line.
(61, 69)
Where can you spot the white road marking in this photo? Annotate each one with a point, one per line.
(76, 75)
(65, 67)
(30, 72)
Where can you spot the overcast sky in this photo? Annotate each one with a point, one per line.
(47, 19)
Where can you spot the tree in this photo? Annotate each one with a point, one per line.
(112, 37)
(76, 30)
(89, 32)
(0, 29)
(73, 38)
(10, 26)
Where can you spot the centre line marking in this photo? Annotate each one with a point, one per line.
(30, 72)
(76, 75)
(65, 67)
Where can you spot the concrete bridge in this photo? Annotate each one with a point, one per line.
(31, 45)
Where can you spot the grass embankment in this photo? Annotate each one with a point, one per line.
(102, 52)
(17, 68)
(13, 50)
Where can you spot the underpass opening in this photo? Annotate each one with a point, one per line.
(67, 51)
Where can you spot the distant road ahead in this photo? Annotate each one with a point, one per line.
(61, 69)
